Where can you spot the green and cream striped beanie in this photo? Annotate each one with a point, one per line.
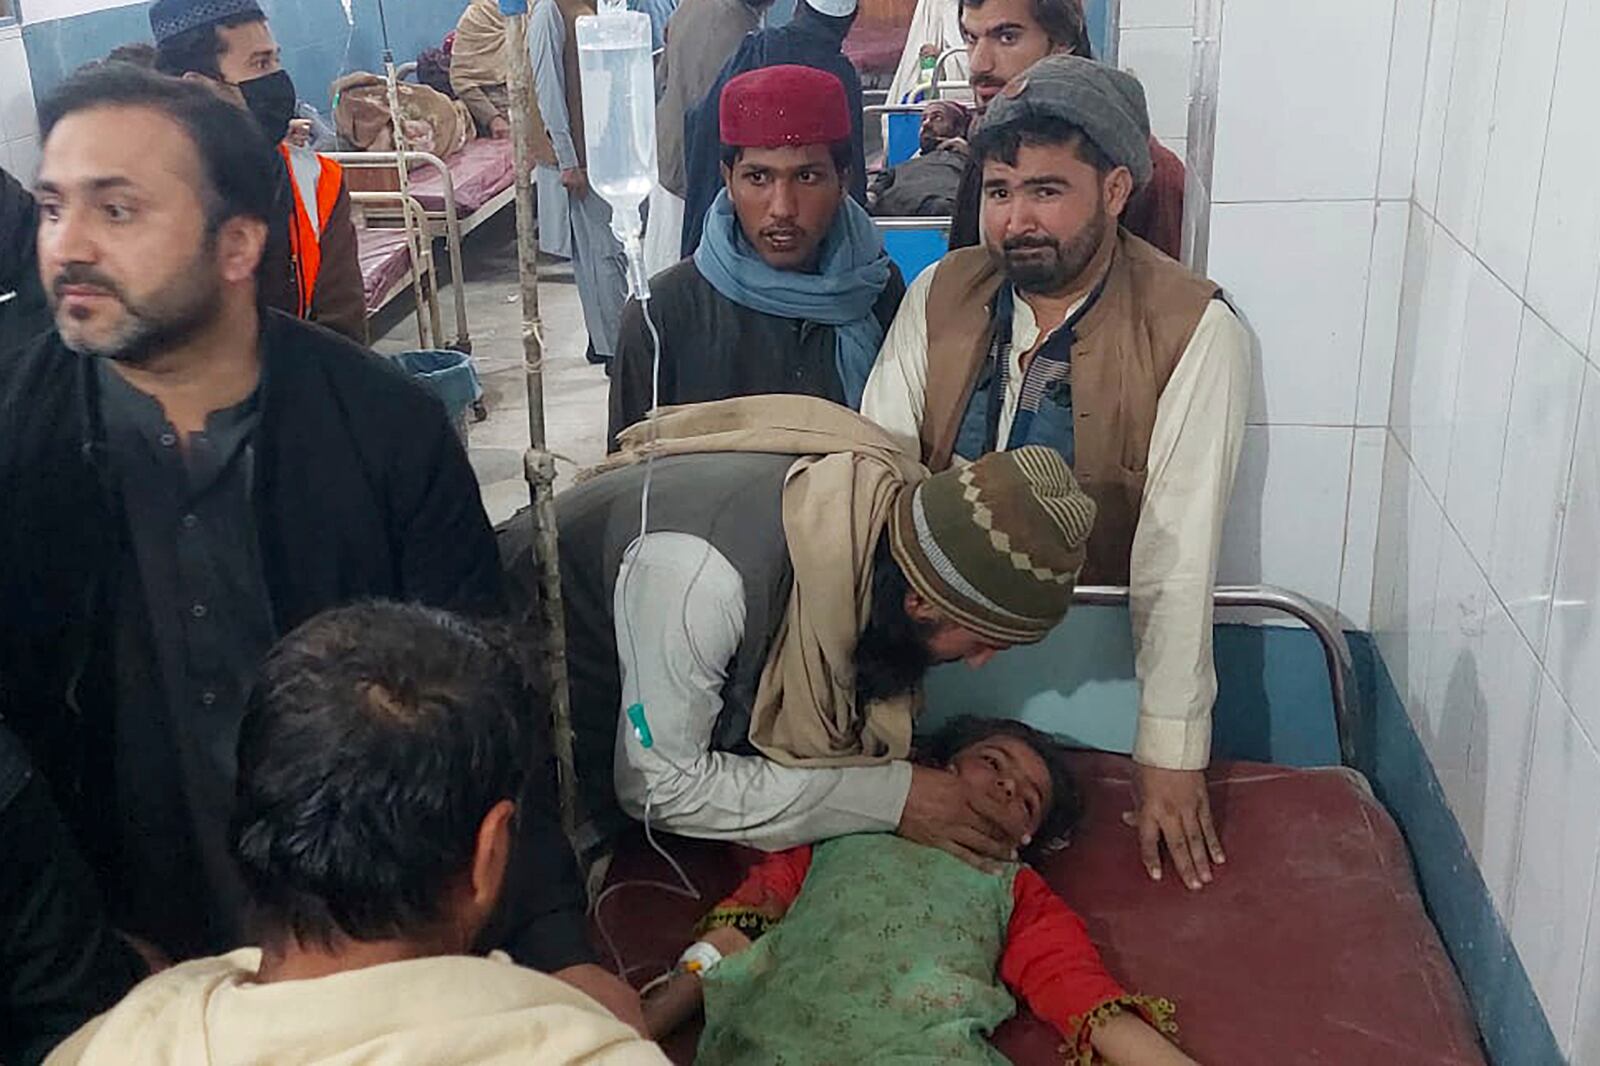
(997, 545)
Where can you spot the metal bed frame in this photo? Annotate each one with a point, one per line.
(422, 275)
(444, 223)
(1317, 618)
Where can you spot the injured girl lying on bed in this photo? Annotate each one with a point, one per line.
(871, 948)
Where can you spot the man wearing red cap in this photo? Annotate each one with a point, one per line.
(790, 289)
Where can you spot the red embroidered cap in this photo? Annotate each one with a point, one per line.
(785, 105)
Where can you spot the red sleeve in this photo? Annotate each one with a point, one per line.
(765, 895)
(1050, 963)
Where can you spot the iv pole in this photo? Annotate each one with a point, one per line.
(538, 464)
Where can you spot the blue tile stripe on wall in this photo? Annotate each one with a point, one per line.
(1514, 1028)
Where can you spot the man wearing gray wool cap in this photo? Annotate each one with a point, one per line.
(1065, 330)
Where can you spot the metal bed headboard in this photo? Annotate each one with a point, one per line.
(1317, 618)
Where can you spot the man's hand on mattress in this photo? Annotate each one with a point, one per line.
(1172, 806)
(945, 812)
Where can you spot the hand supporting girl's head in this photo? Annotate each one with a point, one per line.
(1017, 764)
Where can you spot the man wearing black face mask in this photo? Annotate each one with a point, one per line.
(311, 268)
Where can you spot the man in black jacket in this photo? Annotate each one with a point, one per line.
(24, 313)
(186, 479)
(61, 963)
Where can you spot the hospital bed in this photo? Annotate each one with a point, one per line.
(1311, 946)
(914, 242)
(455, 196)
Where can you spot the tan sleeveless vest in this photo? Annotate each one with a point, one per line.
(1127, 346)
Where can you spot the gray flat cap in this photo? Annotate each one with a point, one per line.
(1106, 103)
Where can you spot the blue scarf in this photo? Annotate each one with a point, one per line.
(852, 270)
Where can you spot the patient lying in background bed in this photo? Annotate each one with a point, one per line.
(874, 948)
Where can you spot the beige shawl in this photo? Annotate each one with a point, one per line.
(837, 499)
(422, 1012)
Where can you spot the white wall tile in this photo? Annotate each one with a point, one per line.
(1298, 274)
(1502, 740)
(1560, 843)
(1388, 556)
(1385, 275)
(24, 160)
(1300, 100)
(1361, 526)
(1435, 102)
(1483, 396)
(18, 118)
(1428, 359)
(1466, 131)
(1451, 700)
(1565, 262)
(1142, 14)
(1574, 649)
(1160, 59)
(1586, 1040)
(1408, 63)
(1410, 526)
(1285, 522)
(1516, 143)
(1533, 478)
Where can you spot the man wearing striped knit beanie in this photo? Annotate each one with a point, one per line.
(763, 647)
(994, 549)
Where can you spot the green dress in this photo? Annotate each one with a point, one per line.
(889, 956)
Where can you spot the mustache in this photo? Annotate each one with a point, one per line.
(78, 274)
(1013, 244)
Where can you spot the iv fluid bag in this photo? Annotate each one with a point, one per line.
(619, 105)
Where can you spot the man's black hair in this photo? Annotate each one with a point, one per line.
(197, 50)
(239, 166)
(376, 740)
(840, 152)
(892, 652)
(1037, 129)
(1062, 21)
(1065, 806)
